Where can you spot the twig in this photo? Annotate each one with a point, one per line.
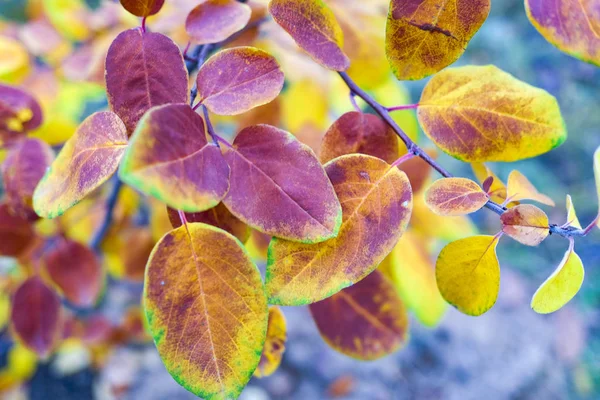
(111, 203)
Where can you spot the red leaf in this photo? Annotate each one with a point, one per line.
(16, 233)
(19, 113)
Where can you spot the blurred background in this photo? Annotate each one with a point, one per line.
(55, 49)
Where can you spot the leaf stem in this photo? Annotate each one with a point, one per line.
(144, 24)
(209, 127)
(402, 159)
(404, 107)
(111, 203)
(354, 103)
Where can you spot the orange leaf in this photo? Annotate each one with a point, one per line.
(455, 196)
(526, 224)
(274, 345)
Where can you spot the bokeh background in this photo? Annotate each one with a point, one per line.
(508, 353)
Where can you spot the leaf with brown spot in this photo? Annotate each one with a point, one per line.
(526, 224)
(376, 203)
(519, 188)
(213, 21)
(206, 308)
(274, 345)
(365, 321)
(455, 196)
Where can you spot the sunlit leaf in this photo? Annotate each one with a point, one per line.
(278, 187)
(424, 36)
(455, 196)
(356, 132)
(468, 274)
(304, 107)
(24, 166)
(497, 190)
(571, 25)
(561, 286)
(236, 80)
(412, 271)
(169, 158)
(86, 161)
(365, 321)
(74, 268)
(218, 216)
(206, 308)
(142, 8)
(213, 21)
(36, 316)
(519, 188)
(572, 219)
(16, 232)
(313, 26)
(19, 113)
(143, 70)
(376, 204)
(14, 59)
(526, 224)
(274, 345)
(480, 113)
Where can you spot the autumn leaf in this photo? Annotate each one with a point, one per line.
(571, 25)
(170, 158)
(270, 167)
(468, 274)
(19, 113)
(497, 190)
(425, 36)
(213, 21)
(236, 80)
(16, 232)
(36, 316)
(376, 206)
(206, 309)
(526, 224)
(410, 268)
(561, 286)
(365, 321)
(15, 63)
(455, 196)
(155, 74)
(572, 219)
(480, 113)
(356, 132)
(142, 8)
(519, 188)
(313, 26)
(274, 345)
(85, 162)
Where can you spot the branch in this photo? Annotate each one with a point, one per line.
(111, 203)
(567, 232)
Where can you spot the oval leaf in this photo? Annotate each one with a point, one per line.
(468, 274)
(519, 188)
(206, 309)
(425, 36)
(365, 321)
(16, 232)
(142, 8)
(571, 25)
(278, 186)
(561, 286)
(356, 132)
(236, 80)
(455, 196)
(313, 26)
(85, 162)
(213, 21)
(23, 168)
(36, 316)
(479, 113)
(19, 113)
(74, 268)
(376, 202)
(143, 70)
(526, 224)
(274, 345)
(169, 158)
(218, 216)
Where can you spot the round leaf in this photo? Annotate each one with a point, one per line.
(365, 321)
(479, 113)
(376, 205)
(86, 161)
(274, 345)
(236, 80)
(526, 224)
(455, 196)
(169, 158)
(519, 188)
(206, 309)
(213, 21)
(142, 8)
(143, 70)
(423, 37)
(313, 26)
(19, 113)
(279, 187)
(468, 274)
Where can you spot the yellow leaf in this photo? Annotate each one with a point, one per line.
(304, 103)
(468, 274)
(561, 286)
(526, 224)
(571, 215)
(430, 225)
(519, 188)
(497, 190)
(14, 60)
(455, 196)
(274, 344)
(69, 17)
